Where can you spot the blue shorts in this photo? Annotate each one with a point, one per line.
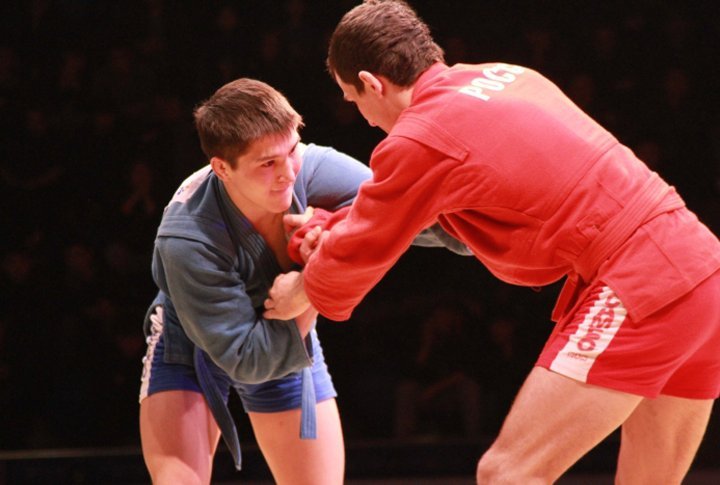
(272, 396)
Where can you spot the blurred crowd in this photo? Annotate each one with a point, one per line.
(96, 102)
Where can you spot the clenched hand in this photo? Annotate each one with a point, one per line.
(287, 298)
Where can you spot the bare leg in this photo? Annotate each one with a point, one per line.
(660, 439)
(179, 437)
(298, 462)
(552, 424)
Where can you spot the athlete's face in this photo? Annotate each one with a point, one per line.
(263, 177)
(375, 109)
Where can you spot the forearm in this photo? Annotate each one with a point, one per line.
(271, 351)
(248, 347)
(251, 351)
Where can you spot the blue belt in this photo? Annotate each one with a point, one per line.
(221, 413)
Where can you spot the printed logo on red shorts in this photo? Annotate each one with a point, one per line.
(597, 323)
(600, 322)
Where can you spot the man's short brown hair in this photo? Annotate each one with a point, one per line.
(240, 113)
(384, 37)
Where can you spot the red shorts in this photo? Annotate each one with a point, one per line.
(675, 351)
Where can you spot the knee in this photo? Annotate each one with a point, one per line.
(495, 469)
(175, 476)
(172, 470)
(489, 469)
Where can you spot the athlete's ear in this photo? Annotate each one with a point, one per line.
(372, 83)
(220, 167)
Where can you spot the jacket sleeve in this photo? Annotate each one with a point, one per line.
(433, 236)
(217, 314)
(404, 197)
(332, 178)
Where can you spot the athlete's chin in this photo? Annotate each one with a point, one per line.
(281, 204)
(383, 126)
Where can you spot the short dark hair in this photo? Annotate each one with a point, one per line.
(384, 37)
(240, 113)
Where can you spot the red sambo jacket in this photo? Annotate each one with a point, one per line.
(538, 191)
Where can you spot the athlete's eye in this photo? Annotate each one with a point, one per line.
(268, 164)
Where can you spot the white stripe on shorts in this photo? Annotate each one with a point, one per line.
(155, 332)
(592, 336)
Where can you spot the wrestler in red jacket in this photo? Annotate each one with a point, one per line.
(539, 192)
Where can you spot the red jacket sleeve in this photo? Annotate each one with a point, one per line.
(387, 214)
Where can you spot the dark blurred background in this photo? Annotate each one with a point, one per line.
(96, 101)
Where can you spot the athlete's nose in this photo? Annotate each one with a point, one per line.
(285, 170)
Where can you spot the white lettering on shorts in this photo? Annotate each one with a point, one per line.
(155, 332)
(598, 328)
(493, 79)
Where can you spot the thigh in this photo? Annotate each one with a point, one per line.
(179, 437)
(660, 439)
(553, 422)
(296, 461)
(177, 430)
